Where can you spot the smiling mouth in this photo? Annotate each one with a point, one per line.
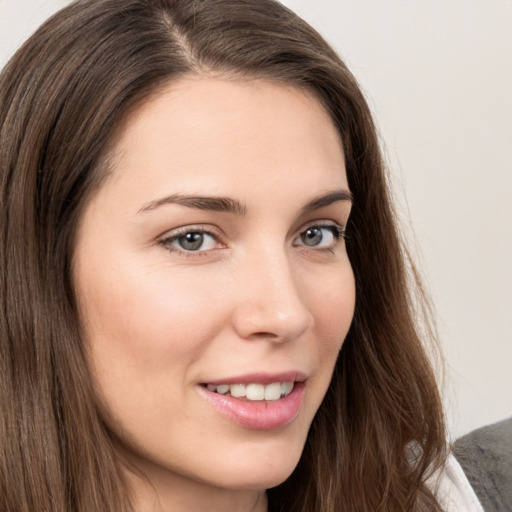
(253, 391)
(265, 405)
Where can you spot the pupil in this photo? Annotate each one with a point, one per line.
(313, 236)
(191, 241)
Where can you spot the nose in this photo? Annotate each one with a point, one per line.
(270, 304)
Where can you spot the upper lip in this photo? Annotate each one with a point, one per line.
(261, 378)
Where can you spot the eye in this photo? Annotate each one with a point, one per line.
(191, 240)
(320, 237)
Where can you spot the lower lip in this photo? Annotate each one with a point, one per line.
(258, 415)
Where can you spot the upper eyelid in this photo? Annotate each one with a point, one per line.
(322, 223)
(213, 230)
(217, 232)
(177, 232)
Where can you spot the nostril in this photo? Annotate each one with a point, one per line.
(264, 335)
(271, 325)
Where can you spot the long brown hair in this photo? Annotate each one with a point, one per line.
(379, 432)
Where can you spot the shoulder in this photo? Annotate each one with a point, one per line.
(486, 457)
(453, 490)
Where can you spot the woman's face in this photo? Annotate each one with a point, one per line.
(214, 284)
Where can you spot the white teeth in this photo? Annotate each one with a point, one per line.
(255, 392)
(237, 390)
(223, 389)
(258, 392)
(273, 391)
(286, 388)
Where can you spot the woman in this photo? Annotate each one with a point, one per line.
(184, 326)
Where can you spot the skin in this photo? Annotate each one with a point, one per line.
(161, 320)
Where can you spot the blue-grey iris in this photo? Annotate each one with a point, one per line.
(312, 236)
(191, 241)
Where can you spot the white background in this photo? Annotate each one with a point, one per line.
(438, 75)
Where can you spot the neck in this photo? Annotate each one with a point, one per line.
(159, 493)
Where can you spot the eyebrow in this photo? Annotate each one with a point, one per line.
(327, 199)
(229, 205)
(215, 204)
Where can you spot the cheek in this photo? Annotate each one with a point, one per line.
(331, 296)
(332, 306)
(135, 306)
(139, 324)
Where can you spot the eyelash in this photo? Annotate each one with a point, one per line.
(168, 241)
(338, 232)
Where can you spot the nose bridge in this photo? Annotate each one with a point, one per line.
(271, 303)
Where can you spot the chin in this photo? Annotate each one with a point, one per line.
(267, 468)
(261, 478)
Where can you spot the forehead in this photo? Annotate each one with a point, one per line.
(222, 134)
